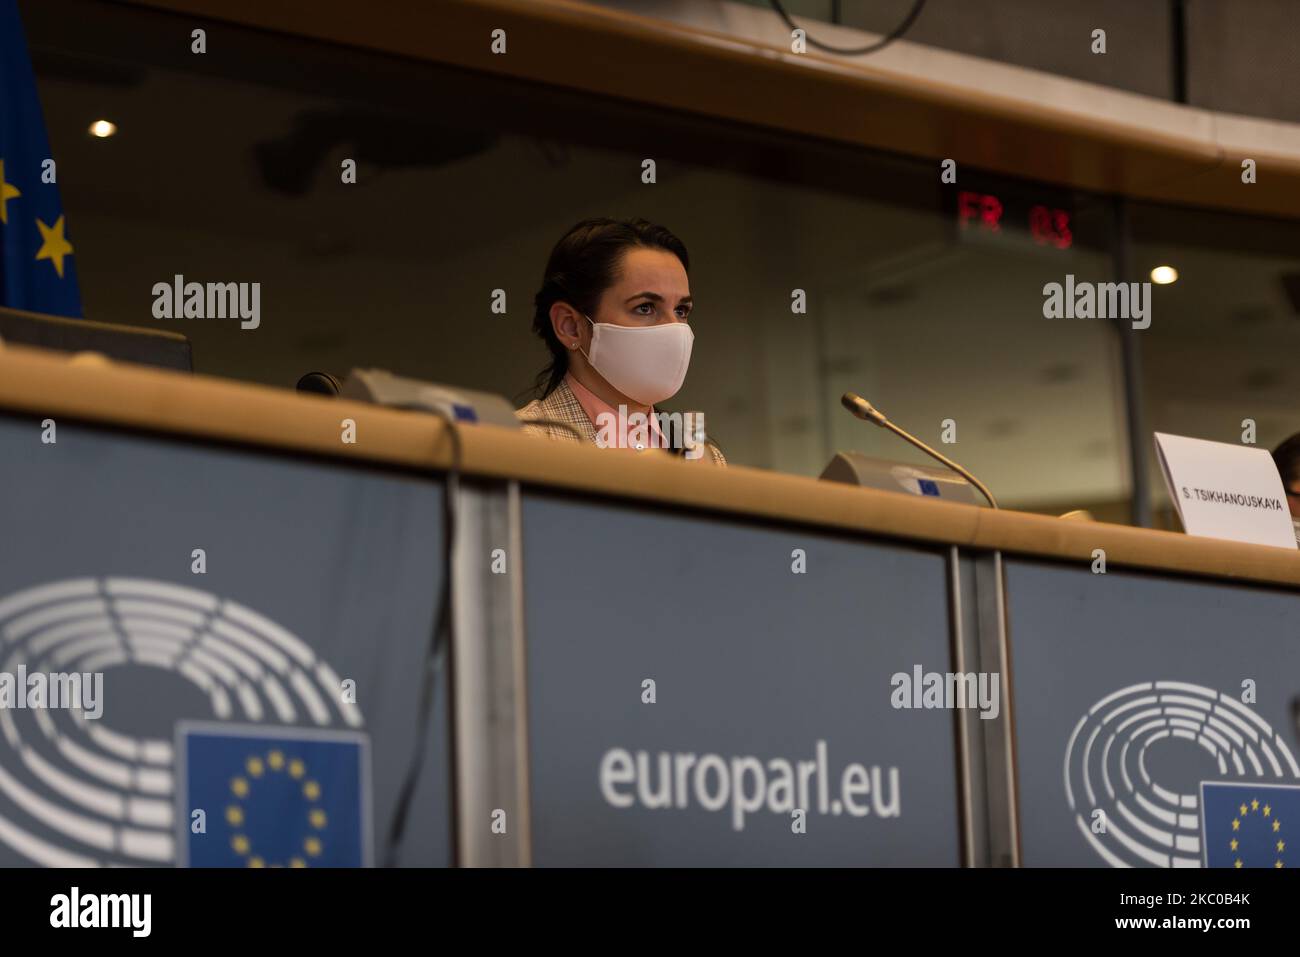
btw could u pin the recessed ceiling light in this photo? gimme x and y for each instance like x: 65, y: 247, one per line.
x: 102, y: 129
x: 1164, y: 275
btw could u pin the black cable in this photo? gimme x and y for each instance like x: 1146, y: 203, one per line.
x: 893, y: 35
x: 1178, y: 47
x: 438, y: 643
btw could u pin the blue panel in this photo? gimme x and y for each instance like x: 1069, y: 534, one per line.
x: 1132, y: 691
x: 316, y: 574
x: 754, y: 665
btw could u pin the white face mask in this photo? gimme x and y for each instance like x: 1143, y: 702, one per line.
x: 645, y: 363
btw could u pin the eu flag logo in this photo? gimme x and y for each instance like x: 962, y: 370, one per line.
x: 37, y: 269
x: 1249, y: 825
x: 272, y: 797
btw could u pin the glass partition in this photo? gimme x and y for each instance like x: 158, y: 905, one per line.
x: 226, y: 167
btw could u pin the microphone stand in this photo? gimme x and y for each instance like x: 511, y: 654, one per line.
x: 864, y: 410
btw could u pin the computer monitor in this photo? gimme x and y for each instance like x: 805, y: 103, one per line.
x: 153, y: 347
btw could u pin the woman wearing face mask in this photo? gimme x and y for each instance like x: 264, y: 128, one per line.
x: 614, y: 312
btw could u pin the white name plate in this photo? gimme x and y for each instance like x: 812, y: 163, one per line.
x: 1226, y: 491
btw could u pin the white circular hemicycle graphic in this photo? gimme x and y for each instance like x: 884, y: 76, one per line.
x: 1106, y: 768
x: 109, y: 796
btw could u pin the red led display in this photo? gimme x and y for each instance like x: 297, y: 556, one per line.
x: 1050, y: 227
x: 985, y: 213
x: 981, y: 210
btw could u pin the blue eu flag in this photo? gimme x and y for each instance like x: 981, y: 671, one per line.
x: 1250, y: 825
x: 38, y: 270
x: 273, y: 797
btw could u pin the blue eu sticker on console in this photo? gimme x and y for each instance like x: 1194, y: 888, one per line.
x: 272, y: 797
x: 929, y: 487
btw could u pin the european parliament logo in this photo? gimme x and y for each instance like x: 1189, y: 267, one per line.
x: 1250, y: 825
x: 272, y: 797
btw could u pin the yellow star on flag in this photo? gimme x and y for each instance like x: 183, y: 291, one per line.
x: 7, y: 192
x: 53, y: 246
x: 1232, y: 845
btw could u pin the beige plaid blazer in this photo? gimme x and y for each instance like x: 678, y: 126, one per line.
x: 563, y: 406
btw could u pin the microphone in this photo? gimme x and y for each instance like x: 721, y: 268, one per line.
x: 864, y: 410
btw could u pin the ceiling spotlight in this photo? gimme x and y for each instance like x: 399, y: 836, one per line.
x: 1164, y: 275
x: 102, y: 129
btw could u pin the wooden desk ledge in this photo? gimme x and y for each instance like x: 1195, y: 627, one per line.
x: 92, y: 389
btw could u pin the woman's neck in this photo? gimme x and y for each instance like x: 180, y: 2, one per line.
x: 596, y: 384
